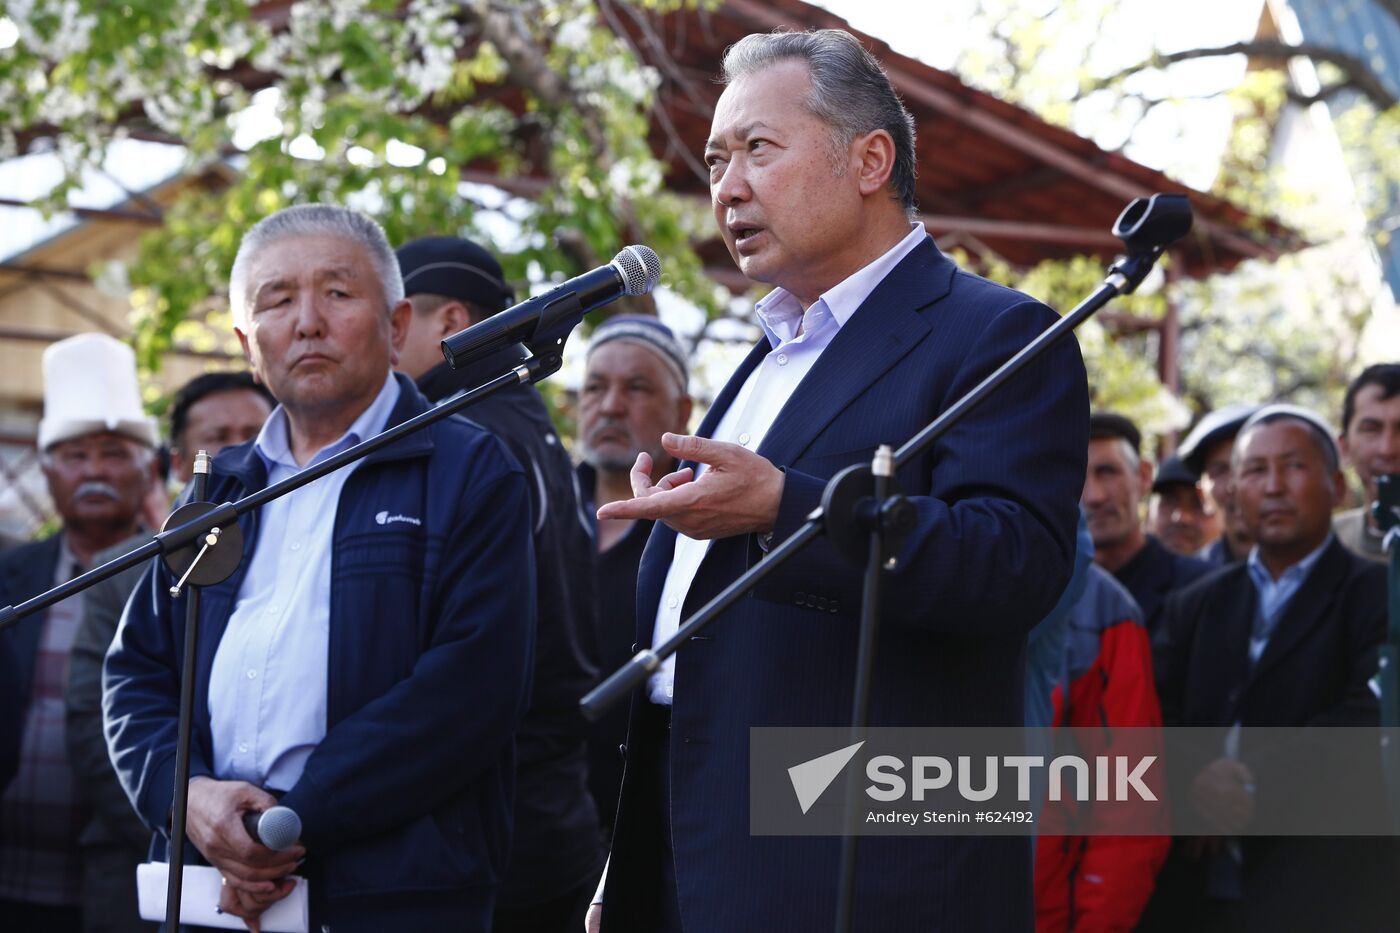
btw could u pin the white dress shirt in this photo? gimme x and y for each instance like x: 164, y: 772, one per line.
x: 267, y: 690
x: 798, y: 338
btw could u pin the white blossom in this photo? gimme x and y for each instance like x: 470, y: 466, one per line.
x: 574, y: 33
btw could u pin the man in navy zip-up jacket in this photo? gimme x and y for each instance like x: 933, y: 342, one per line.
x: 405, y: 793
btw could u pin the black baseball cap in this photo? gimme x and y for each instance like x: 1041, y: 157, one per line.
x: 1172, y: 472
x: 454, y: 268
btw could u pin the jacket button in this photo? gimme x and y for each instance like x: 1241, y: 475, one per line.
x: 799, y: 599
x: 822, y: 603
x: 622, y: 750
x: 634, y: 649
x: 835, y: 606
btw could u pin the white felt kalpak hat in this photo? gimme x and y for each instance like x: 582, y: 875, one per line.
x: 90, y: 386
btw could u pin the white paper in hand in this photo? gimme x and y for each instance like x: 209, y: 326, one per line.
x: 199, y: 900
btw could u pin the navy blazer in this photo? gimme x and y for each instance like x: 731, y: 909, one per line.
x: 406, y: 802
x: 997, y: 507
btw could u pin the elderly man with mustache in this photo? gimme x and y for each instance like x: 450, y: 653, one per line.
x: 635, y: 389
x: 97, y: 452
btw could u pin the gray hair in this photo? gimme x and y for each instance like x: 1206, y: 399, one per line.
x: 1130, y: 454
x: 850, y: 91
x: 314, y: 220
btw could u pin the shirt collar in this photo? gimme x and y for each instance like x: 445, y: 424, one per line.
x: 67, y: 566
x: 1299, y: 571
x: 780, y: 313
x: 273, y: 444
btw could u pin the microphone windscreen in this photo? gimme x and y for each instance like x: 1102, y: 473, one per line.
x: 639, y: 267
x: 279, y: 828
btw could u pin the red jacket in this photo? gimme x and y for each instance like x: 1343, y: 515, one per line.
x: 1099, y: 882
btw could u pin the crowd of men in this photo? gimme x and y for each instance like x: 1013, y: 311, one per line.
x: 1239, y: 599
x: 400, y: 653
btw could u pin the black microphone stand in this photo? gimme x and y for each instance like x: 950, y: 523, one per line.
x: 202, y: 545
x: 209, y: 565
x: 867, y: 517
x: 1386, y: 510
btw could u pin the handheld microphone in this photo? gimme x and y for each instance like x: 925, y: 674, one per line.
x: 634, y: 271
x: 277, y: 828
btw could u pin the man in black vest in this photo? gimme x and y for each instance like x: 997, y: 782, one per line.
x: 556, y: 853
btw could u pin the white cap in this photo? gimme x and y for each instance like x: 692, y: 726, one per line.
x: 1297, y: 412
x: 90, y: 386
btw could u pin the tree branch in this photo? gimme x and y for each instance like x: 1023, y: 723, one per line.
x: 1358, y: 76
x: 668, y: 66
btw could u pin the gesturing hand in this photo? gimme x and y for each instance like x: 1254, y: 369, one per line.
x: 738, y: 494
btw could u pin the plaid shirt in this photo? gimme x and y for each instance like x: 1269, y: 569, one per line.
x: 40, y: 811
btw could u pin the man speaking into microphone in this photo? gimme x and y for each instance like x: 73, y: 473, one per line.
x: 370, y: 658
x: 869, y: 334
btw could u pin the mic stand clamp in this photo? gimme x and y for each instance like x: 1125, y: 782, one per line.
x: 854, y: 508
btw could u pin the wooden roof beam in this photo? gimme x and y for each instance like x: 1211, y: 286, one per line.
x: 1019, y: 230
x: 53, y: 336
x: 95, y: 213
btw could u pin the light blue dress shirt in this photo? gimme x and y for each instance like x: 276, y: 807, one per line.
x: 267, y: 690
x: 798, y: 337
x: 1274, y: 595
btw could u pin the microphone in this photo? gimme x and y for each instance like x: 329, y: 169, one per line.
x: 547, y: 317
x: 278, y: 828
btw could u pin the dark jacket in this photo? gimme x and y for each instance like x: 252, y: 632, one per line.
x: 25, y: 572
x: 406, y: 801
x: 614, y: 644
x: 991, y: 551
x: 555, y: 844
x: 1153, y: 574
x: 1313, y: 672
x: 1218, y: 553
x: 114, y: 840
